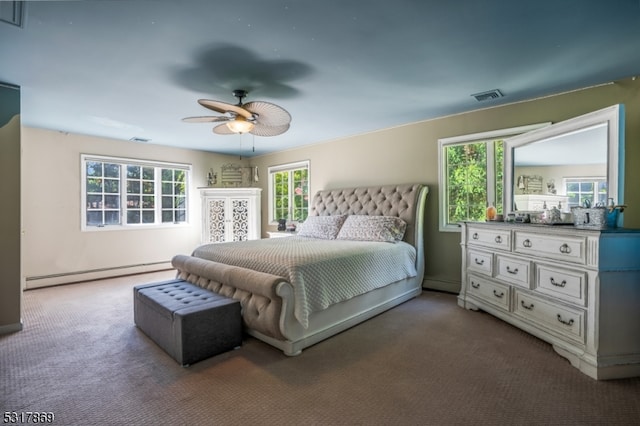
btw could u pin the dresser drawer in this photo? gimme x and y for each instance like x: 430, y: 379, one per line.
x: 480, y: 262
x: 496, y: 294
x: 569, y: 249
x: 565, y: 284
x: 513, y: 270
x: 499, y: 239
x: 560, y: 320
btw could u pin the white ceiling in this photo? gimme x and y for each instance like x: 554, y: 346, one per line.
x: 123, y: 69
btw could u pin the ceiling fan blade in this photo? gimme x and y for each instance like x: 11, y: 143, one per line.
x: 268, y: 114
x: 223, y: 107
x: 206, y: 119
x: 262, y: 130
x: 222, y: 129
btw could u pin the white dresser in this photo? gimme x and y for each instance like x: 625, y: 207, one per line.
x: 576, y: 289
x: 230, y: 214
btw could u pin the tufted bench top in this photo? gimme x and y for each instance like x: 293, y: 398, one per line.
x: 175, y: 295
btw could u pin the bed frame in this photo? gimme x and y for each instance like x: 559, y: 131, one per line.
x: 267, y: 300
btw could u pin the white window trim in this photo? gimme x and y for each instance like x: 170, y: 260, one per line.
x: 280, y: 168
x: 465, y: 139
x: 574, y: 179
x: 137, y: 162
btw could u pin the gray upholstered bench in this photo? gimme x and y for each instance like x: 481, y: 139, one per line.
x: 187, y: 321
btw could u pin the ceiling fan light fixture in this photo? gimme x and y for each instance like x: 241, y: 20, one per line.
x: 240, y: 125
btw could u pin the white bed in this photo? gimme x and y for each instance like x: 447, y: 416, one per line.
x: 292, y: 305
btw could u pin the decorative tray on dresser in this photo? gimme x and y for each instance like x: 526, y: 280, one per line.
x: 577, y: 289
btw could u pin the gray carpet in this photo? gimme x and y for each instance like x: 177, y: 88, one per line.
x: 425, y: 362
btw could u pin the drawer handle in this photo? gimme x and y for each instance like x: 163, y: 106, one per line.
x: 570, y: 322
x: 475, y: 285
x: 565, y: 249
x: 475, y: 236
x: 557, y: 284
x: 527, y: 307
x: 499, y: 296
x: 527, y: 243
x: 479, y: 262
x: 498, y: 239
x: 513, y: 271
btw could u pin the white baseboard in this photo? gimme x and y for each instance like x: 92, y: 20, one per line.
x: 78, y: 276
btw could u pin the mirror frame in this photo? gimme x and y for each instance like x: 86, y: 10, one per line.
x: 613, y: 116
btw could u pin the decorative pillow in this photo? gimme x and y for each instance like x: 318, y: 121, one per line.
x: 373, y: 228
x: 325, y: 227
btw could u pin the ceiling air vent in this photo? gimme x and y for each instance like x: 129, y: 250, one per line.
x: 485, y: 96
x: 11, y: 12
x: 141, y: 140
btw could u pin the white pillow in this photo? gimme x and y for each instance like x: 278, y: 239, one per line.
x: 373, y: 228
x: 325, y: 227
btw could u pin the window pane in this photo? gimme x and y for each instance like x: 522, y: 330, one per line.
x: 112, y: 218
x: 112, y: 201
x: 148, y: 187
x: 167, y: 202
x: 133, y: 187
x: 94, y: 168
x: 133, y: 172
x: 97, y: 188
x: 167, y: 216
x: 133, y: 216
x: 112, y: 170
x: 167, y: 188
x: 148, y: 202
x: 173, y: 194
x: 94, y: 185
x: 148, y: 216
x: 112, y: 186
x: 148, y: 173
x: 466, y: 186
x: 94, y: 218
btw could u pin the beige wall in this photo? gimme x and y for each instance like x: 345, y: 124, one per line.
x: 410, y: 154
x: 55, y: 248
x: 54, y: 243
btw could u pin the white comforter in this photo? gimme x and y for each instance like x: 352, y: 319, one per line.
x: 322, y: 272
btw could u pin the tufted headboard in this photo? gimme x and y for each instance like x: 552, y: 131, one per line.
x: 404, y: 201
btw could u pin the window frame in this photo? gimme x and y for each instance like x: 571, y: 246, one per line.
x: 481, y: 137
x: 281, y: 168
x: 595, y: 180
x: 158, y: 209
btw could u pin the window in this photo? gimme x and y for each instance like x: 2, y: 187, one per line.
x: 289, y: 192
x: 580, y: 190
x: 121, y: 192
x: 471, y: 171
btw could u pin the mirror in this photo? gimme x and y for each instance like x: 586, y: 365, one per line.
x: 565, y: 163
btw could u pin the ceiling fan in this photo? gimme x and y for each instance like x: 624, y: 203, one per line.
x: 258, y: 117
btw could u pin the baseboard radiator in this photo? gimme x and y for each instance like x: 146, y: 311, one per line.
x: 93, y: 274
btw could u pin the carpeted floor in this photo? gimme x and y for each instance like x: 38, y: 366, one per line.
x: 425, y: 362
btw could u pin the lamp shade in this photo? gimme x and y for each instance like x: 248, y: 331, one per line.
x: 240, y: 125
